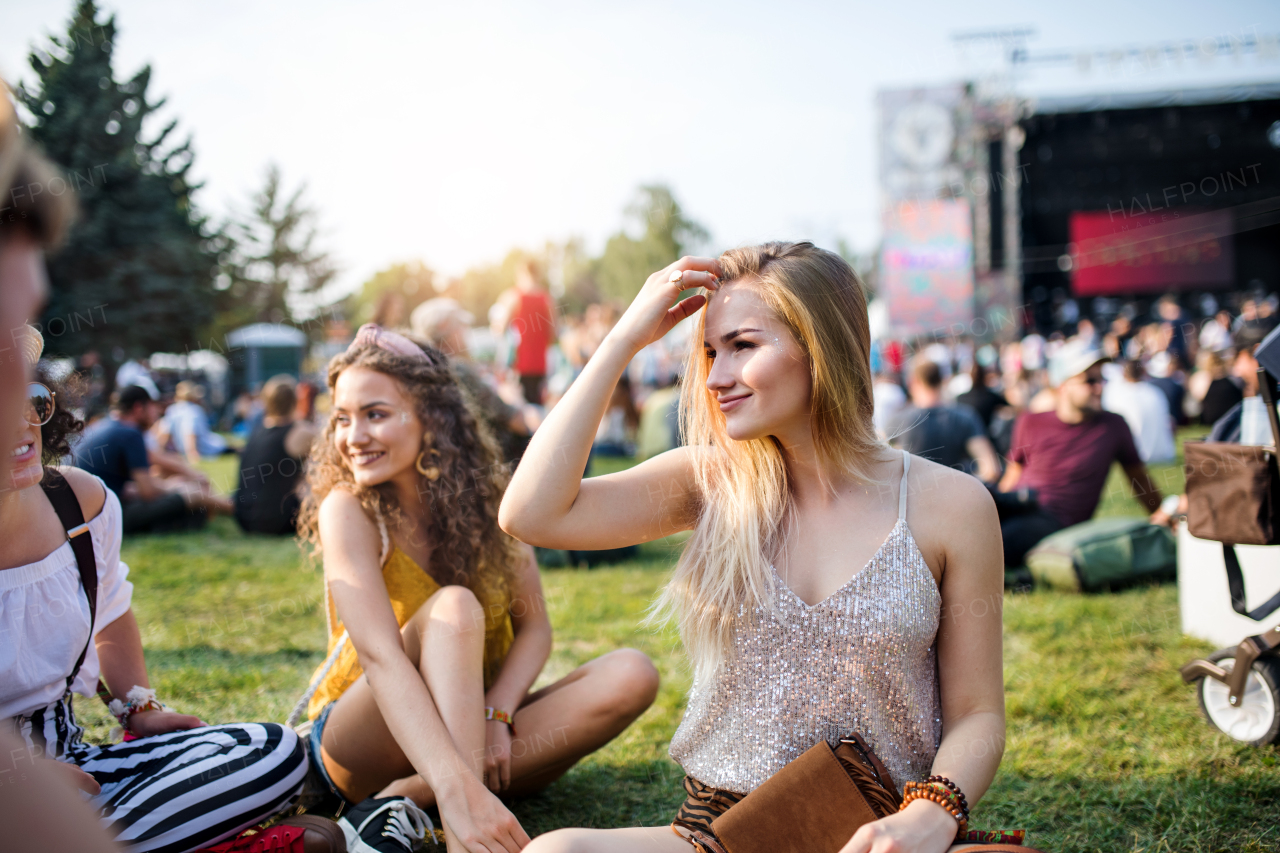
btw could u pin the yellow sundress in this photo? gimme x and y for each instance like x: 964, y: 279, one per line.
x: 408, y: 587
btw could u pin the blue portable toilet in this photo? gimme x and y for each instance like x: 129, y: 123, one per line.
x: 259, y: 351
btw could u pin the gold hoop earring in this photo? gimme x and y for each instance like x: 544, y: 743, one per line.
x: 432, y: 473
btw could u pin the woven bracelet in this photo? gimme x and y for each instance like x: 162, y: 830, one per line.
x: 499, y: 716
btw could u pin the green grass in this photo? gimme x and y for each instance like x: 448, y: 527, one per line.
x: 1106, y: 749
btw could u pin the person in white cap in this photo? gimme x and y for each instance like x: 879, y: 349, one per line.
x: 1064, y: 456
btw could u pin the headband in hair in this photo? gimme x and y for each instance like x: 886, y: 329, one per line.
x: 374, y: 335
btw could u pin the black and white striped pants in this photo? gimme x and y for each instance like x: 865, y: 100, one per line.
x: 179, y: 791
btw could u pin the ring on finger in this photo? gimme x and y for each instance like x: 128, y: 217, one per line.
x: 677, y: 276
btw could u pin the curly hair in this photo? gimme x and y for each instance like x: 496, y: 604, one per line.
x: 460, y: 507
x: 56, y: 435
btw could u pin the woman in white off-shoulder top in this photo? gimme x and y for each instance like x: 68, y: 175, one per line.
x: 213, y: 781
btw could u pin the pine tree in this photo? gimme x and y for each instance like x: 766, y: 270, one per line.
x: 272, y: 269
x: 136, y: 275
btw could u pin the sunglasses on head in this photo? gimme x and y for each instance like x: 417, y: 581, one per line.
x: 40, y: 405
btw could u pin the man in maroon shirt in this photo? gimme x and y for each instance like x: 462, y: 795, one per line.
x: 1065, y: 456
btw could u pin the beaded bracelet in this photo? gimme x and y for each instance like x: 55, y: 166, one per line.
x: 948, y: 788
x: 941, y: 790
x: 137, y: 699
x: 955, y: 789
x: 500, y: 716
x: 938, y: 793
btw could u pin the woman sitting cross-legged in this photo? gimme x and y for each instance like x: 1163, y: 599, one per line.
x: 437, y: 622
x: 179, y: 784
x: 831, y: 586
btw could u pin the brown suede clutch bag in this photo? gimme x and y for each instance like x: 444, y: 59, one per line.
x: 815, y: 804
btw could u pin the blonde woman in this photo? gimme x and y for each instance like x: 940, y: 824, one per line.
x: 831, y: 584
x: 438, y: 624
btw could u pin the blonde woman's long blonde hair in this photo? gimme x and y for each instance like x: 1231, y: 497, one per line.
x: 745, y: 495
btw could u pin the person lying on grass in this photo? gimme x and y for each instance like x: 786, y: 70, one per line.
x: 788, y: 492
x: 428, y: 701
x: 176, y: 784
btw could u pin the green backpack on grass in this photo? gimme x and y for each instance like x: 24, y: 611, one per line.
x: 1106, y: 553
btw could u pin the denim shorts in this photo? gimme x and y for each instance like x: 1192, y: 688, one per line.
x: 331, y: 798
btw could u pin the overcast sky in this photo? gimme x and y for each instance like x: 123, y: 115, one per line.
x: 452, y: 132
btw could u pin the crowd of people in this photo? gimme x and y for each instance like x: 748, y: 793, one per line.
x: 403, y: 483
x: 1042, y: 419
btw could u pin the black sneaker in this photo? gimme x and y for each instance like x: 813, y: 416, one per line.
x: 386, y: 825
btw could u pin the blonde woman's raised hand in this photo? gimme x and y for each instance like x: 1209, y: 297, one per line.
x: 655, y: 310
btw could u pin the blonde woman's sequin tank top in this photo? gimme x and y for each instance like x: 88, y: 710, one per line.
x: 862, y: 660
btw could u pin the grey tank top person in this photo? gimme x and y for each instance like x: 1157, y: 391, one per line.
x: 862, y: 660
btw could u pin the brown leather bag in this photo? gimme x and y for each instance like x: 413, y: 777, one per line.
x: 1232, y: 491
x: 1233, y: 495
x: 815, y: 804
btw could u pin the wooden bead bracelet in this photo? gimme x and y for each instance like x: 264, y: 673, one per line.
x: 936, y: 792
x: 955, y: 789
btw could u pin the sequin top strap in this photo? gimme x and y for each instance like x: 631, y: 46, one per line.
x: 902, y: 491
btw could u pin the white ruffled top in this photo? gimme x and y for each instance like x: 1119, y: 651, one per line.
x: 44, y: 617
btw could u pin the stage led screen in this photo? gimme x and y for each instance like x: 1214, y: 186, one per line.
x: 1114, y: 254
x: 926, y: 267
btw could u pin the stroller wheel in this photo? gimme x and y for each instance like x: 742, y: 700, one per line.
x: 1257, y: 719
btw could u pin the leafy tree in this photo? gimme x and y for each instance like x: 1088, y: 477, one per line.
x: 481, y: 285
x: 272, y: 269
x: 863, y: 263
x: 569, y: 270
x: 391, y: 292
x: 137, y: 272
x: 578, y: 274
x: 665, y: 235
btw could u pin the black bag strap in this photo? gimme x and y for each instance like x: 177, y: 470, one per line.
x: 1235, y: 583
x: 59, y: 492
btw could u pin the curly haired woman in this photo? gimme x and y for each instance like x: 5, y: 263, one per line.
x: 428, y: 701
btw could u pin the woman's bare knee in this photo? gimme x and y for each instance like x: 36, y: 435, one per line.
x: 634, y: 840
x: 451, y: 610
x: 631, y: 682
x: 560, y: 841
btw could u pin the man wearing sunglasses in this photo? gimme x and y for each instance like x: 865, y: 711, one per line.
x: 1064, y: 455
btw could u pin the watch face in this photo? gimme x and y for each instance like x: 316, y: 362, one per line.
x: 922, y: 135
